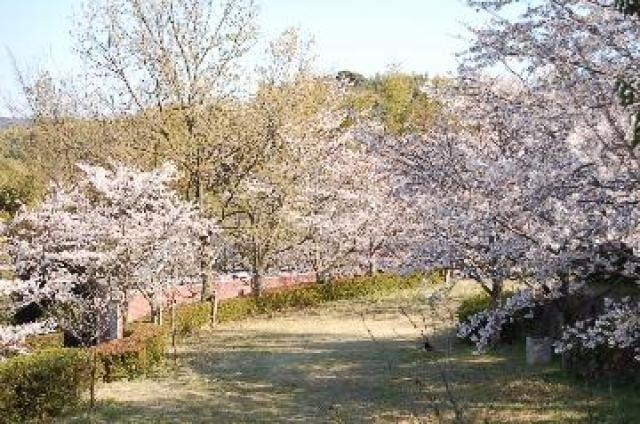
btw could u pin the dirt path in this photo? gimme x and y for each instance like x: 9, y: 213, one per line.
x: 330, y: 365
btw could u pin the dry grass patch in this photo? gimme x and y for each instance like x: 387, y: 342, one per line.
x: 329, y: 365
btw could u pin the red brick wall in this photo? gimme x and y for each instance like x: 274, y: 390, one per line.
x: 226, y: 288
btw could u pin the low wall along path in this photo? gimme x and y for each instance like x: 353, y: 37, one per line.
x: 226, y: 287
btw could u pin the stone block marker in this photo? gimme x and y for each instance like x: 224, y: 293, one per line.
x: 115, y: 322
x: 538, y: 350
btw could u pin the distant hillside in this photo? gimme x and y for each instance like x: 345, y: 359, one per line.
x: 7, y: 122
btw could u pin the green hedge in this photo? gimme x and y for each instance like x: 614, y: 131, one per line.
x: 190, y: 318
x: 376, y: 286
x: 353, y: 288
x: 41, y: 385
x: 237, y: 309
x: 45, y: 341
x: 137, y: 354
x: 46, y: 383
x: 281, y: 300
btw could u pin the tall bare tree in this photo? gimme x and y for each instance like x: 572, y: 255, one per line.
x: 170, y: 61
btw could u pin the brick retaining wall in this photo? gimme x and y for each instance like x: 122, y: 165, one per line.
x: 226, y: 287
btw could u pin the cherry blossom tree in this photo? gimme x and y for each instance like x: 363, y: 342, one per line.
x: 13, y: 337
x: 476, y: 184
x: 553, y: 164
x: 354, y: 220
x: 154, y: 233
x: 84, y: 249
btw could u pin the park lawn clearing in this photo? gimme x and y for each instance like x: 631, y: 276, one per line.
x: 354, y: 361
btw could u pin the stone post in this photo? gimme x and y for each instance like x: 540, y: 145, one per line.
x: 115, y: 322
x: 538, y: 350
x: 214, y: 308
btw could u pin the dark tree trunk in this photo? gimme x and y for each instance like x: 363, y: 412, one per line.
x: 257, y: 283
x: 495, y: 293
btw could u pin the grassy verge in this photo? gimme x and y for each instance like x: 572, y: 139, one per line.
x: 358, y: 361
x: 190, y: 318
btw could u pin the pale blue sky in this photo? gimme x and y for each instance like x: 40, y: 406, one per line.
x: 360, y: 35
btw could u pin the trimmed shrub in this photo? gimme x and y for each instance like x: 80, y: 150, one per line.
x: 237, y: 309
x: 190, y: 318
x: 137, y: 354
x: 41, y: 385
x: 45, y: 341
x: 48, y: 382
x: 277, y: 301
x: 376, y: 286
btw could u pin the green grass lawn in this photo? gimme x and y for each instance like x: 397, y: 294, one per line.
x: 356, y: 362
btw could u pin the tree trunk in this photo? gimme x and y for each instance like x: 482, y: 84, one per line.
x: 204, y: 277
x: 315, y: 264
x: 495, y: 293
x: 92, y: 383
x: 156, y: 313
x: 205, y: 293
x: 257, y: 283
x: 256, y: 278
x: 125, y: 309
x: 320, y: 277
x: 371, y: 260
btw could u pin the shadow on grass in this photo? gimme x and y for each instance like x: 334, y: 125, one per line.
x: 254, y: 375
